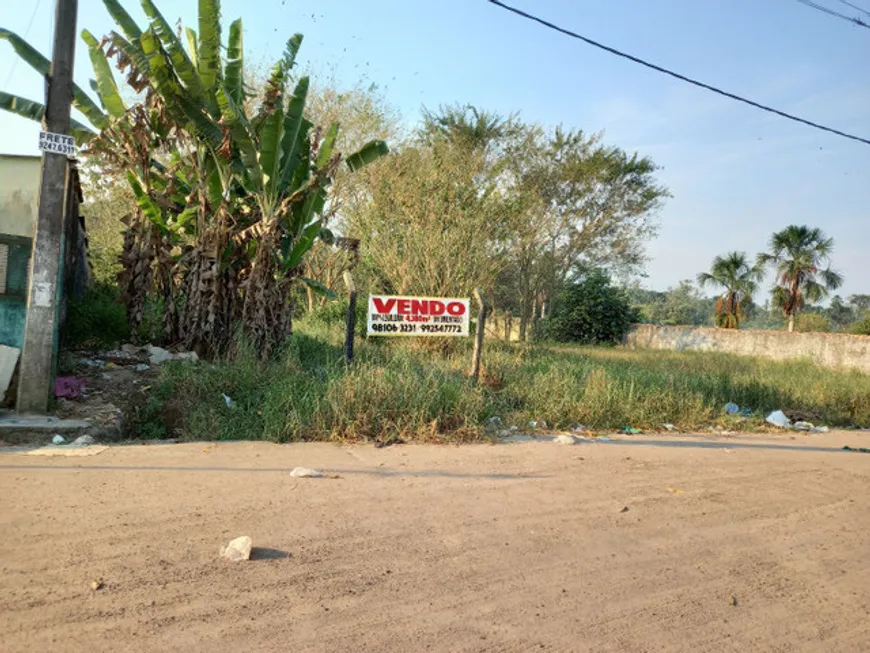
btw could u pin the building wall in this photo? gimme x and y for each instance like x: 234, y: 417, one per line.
x: 828, y: 349
x: 19, y: 193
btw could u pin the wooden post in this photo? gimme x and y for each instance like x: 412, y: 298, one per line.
x: 350, y: 327
x: 478, y: 336
x: 37, y: 356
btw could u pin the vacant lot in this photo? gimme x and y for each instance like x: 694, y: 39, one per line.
x: 402, y: 390
x: 755, y: 545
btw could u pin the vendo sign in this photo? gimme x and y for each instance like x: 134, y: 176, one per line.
x: 418, y: 316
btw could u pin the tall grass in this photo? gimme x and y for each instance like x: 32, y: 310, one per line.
x: 402, y: 389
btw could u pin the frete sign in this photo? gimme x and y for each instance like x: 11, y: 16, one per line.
x: 418, y: 316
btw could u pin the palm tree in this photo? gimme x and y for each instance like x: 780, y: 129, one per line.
x: 801, y: 257
x: 739, y: 280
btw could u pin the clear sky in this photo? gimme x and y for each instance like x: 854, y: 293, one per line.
x: 736, y: 173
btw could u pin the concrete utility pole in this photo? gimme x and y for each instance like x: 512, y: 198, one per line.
x: 37, y: 356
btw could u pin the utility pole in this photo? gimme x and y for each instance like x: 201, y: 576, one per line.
x: 37, y: 357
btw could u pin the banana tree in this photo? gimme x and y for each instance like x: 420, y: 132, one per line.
x: 228, y: 204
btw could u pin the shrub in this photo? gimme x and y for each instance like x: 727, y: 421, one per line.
x: 96, y: 319
x: 861, y: 327
x: 812, y: 323
x: 590, y: 311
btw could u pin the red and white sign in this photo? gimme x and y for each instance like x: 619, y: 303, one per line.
x: 418, y: 316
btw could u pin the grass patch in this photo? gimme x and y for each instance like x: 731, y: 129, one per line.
x: 403, y: 389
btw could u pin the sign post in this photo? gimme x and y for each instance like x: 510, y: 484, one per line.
x: 418, y: 316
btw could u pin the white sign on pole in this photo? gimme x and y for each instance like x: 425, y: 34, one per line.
x: 418, y: 316
x: 57, y: 143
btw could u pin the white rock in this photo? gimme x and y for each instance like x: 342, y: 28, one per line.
x: 564, y: 439
x: 305, y: 472
x: 237, y: 550
x: 158, y: 355
x: 58, y: 439
x: 83, y: 441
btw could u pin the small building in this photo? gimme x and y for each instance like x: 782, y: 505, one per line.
x: 19, y: 200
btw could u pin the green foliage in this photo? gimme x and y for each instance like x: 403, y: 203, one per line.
x: 800, y: 256
x: 96, y: 320
x: 590, y: 311
x: 739, y: 279
x: 861, y: 327
x: 812, y: 323
x: 680, y: 306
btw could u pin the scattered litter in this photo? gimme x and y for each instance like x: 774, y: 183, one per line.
x: 669, y: 427
x: 190, y: 356
x: 157, y: 355
x: 537, y: 424
x: 603, y: 438
x: 237, y: 550
x: 857, y: 449
x: 106, y: 377
x: 746, y: 412
x: 305, y: 472
x: 579, y: 428
x: 142, y: 367
x: 380, y: 444
x: 228, y: 401
x: 514, y: 428
x: 674, y: 490
x: 68, y: 387
x: 91, y: 362
x: 734, y: 601
x: 58, y: 439
x: 494, y: 423
x: 97, y: 585
x: 819, y: 429
x: 564, y: 439
x: 731, y: 408
x: 778, y: 418
x: 130, y: 349
x: 83, y: 441
x: 630, y: 431
x: 624, y: 509
x: 803, y: 426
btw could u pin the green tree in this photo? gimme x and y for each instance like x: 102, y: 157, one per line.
x: 800, y: 256
x: 230, y: 195
x: 591, y: 311
x: 739, y: 281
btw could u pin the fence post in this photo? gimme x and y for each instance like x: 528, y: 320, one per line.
x: 350, y: 326
x: 478, y: 336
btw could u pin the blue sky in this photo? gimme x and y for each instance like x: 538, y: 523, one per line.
x: 736, y: 173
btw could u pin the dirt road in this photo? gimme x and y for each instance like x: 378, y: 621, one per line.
x: 594, y: 547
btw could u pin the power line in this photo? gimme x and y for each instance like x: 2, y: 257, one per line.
x: 855, y: 7
x: 26, y: 33
x: 831, y: 12
x: 671, y: 73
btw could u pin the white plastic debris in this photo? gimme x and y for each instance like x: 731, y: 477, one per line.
x: 238, y: 550
x: 564, y: 439
x: 803, y: 426
x: 158, y: 355
x: 731, y: 408
x: 305, y: 472
x: 142, y: 367
x: 186, y: 356
x: 83, y: 441
x: 778, y: 418
x: 228, y: 401
x: 58, y: 439
x: 669, y: 427
x: 819, y: 429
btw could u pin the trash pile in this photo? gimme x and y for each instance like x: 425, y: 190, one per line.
x: 780, y: 419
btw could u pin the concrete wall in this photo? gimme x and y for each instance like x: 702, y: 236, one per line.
x: 828, y: 349
x: 19, y: 193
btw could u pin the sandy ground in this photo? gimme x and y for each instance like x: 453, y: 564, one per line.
x: 522, y: 547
